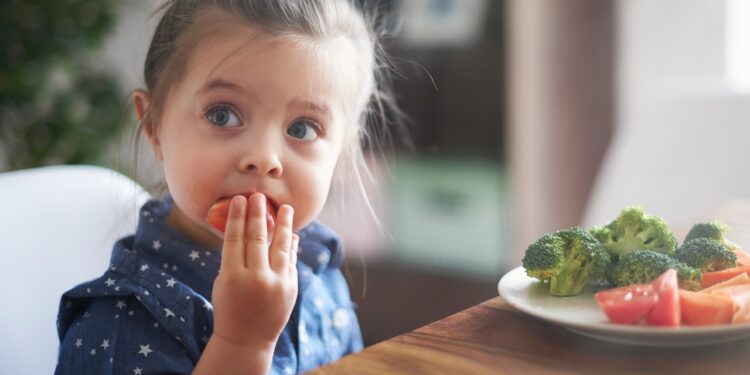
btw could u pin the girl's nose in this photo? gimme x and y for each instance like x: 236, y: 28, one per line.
x: 263, y: 162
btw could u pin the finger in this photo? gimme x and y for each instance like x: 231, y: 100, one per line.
x: 234, y: 235
x: 281, y: 245
x: 270, y: 221
x: 256, y: 247
x: 293, y: 253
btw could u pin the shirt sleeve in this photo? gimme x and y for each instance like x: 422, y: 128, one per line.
x: 119, y: 335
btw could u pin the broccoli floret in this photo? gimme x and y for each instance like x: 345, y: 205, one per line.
x: 714, y: 230
x: 643, y: 266
x: 705, y: 254
x: 635, y: 230
x: 567, y: 260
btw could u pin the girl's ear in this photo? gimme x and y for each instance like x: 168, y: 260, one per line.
x: 142, y: 103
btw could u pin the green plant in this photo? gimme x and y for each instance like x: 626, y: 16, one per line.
x: 56, y: 105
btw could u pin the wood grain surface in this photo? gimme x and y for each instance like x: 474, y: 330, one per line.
x: 495, y: 338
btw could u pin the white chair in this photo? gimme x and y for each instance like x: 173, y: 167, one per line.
x: 57, y: 228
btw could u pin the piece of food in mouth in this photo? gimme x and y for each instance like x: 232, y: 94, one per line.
x: 219, y: 212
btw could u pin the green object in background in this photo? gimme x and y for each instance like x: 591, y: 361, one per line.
x: 56, y: 105
x: 451, y: 215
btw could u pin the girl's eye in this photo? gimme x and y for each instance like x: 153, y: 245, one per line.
x: 304, y: 130
x: 222, y: 117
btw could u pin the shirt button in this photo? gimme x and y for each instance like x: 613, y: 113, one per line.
x: 340, y: 318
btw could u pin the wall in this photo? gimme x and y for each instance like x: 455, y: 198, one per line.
x: 680, y: 147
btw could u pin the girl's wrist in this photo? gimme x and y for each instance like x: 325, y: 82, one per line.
x: 224, y: 355
x: 252, y: 344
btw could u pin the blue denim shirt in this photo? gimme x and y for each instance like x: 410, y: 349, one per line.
x: 151, y: 311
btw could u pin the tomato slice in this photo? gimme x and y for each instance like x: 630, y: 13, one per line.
x: 666, y: 311
x: 218, y: 214
x: 627, y: 304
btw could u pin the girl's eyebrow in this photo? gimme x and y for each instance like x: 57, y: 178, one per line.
x: 220, y: 84
x: 321, y: 108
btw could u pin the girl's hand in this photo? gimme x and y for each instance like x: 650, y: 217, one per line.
x: 255, y: 291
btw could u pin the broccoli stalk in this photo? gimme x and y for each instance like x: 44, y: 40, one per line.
x: 635, y: 230
x: 567, y: 260
x: 574, y: 276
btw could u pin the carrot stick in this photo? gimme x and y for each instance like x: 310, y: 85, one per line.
x: 715, y: 277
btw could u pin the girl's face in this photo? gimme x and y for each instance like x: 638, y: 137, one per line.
x: 252, y: 114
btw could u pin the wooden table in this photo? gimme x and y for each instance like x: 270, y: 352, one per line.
x: 495, y: 338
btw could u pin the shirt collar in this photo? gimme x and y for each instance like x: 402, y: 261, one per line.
x: 172, y: 250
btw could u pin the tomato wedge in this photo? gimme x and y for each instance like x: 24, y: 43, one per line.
x: 627, y: 304
x: 666, y: 311
x: 219, y: 212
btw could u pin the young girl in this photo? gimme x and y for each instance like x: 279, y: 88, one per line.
x: 257, y: 103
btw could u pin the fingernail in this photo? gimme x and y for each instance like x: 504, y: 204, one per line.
x: 289, y: 212
x: 237, y: 200
x: 260, y: 200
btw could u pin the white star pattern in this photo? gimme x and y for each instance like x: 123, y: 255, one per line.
x: 318, y: 303
x: 340, y: 318
x: 145, y: 350
x: 326, y: 334
x: 194, y: 255
x: 303, y: 337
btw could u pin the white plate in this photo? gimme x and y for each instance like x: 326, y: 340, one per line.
x: 581, y: 314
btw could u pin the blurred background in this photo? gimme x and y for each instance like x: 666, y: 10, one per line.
x: 526, y: 116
